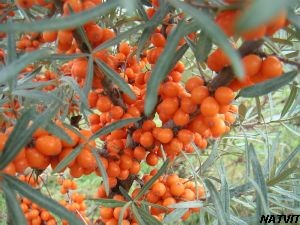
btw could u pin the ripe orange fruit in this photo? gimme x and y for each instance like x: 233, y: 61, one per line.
x: 146, y: 139
x: 181, y: 118
x: 252, y: 64
x: 171, y: 179
x: 3, y: 139
x: 95, y: 34
x: 25, y: 4
x: 79, y: 68
x: 113, y: 169
x: 49, y: 36
x: 158, y: 40
x: 158, y: 189
x: 224, y: 95
x: 169, y: 201
x: 104, y: 104
x: 209, y: 107
x: 152, y: 159
x: 73, y: 137
x: 187, y: 105
x: 277, y: 23
x: 169, y: 106
x: 255, y: 33
x: 226, y: 20
x: 177, y: 189
x: 36, y: 159
x: 165, y: 135
x: 48, y: 145
x: 75, y: 5
x: 193, y: 82
x: 217, y: 60
x: 199, y: 94
x: 170, y: 89
x: 188, y: 195
x: 271, y: 67
x: 125, y: 162
x: 185, y: 136
x: 86, y: 159
x: 148, y: 125
x: 135, y: 168
x: 116, y: 112
x: 106, y: 213
x: 139, y: 153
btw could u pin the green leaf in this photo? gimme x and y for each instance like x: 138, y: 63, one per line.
x: 67, y: 57
x: 154, y: 205
x: 214, y: 32
x: 125, y: 194
x: 102, y: 171
x: 262, y: 16
x: 175, y: 215
x: 115, y: 78
x: 268, y: 86
x: 152, y: 180
x: 262, y: 192
x: 224, y: 193
x: 203, y: 47
x: 113, y: 126
x: 41, y: 200
x: 162, y: 68
x: 109, y: 203
x: 122, y: 212
x: 121, y: 36
x: 289, y: 102
x: 12, y: 70
x: 15, y: 212
x: 11, y: 47
x: 211, y: 158
x: 282, y: 176
x: 285, y: 162
x: 89, y: 77
x: 66, y: 161
x: 215, y: 197
x: 187, y: 205
x: 61, y: 22
x: 137, y: 215
x: 74, y: 85
x: 40, y: 96
x: 147, y: 217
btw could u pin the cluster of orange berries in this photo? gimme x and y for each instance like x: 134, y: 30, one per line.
x: 74, y: 201
x: 165, y: 192
x: 34, y: 214
x: 227, y: 19
x: 257, y: 69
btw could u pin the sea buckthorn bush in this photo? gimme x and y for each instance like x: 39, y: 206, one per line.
x: 148, y: 111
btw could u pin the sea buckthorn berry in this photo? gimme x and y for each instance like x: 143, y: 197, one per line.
x: 94, y: 34
x: 187, y: 105
x: 48, y: 145
x: 186, y: 136
x: 193, y: 82
x: 164, y: 135
x: 104, y: 104
x: 217, y: 60
x: 271, y: 67
x: 79, y: 68
x: 152, y: 159
x: 177, y: 189
x: 86, y: 159
x: 146, y: 139
x: 255, y: 33
x: 25, y: 4
x: 139, y: 153
x: 158, y: 40
x: 170, y: 89
x: 181, y: 118
x: 36, y: 159
x: 209, y: 107
x: 224, y: 95
x: 252, y: 64
x: 277, y: 23
x: 49, y: 36
x: 158, y: 189
x: 226, y: 20
x: 199, y: 94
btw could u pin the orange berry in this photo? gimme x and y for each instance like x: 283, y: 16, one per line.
x: 170, y: 89
x: 255, y: 33
x: 95, y: 34
x: 125, y: 162
x: 158, y: 189
x: 177, y: 189
x: 188, y: 195
x: 271, y: 67
x: 25, y: 4
x: 199, y: 94
x: 187, y: 105
x: 193, y: 82
x: 146, y: 139
x: 171, y: 179
x: 158, y: 40
x: 152, y: 159
x: 276, y: 24
x: 209, y: 107
x: 79, y: 68
x: 104, y: 104
x: 49, y: 36
x: 252, y: 64
x: 165, y: 135
x: 48, y: 145
x: 224, y: 95
x: 113, y: 169
x: 135, y: 168
x: 86, y: 159
x: 148, y: 125
x: 169, y: 201
x: 181, y: 118
x: 116, y: 112
x: 139, y: 153
x: 106, y: 213
x: 185, y: 136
